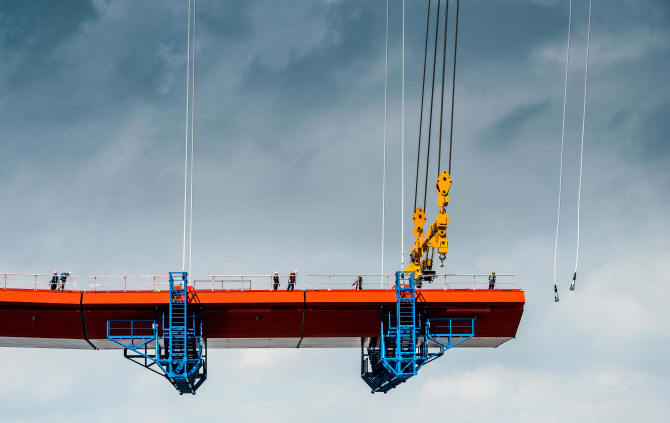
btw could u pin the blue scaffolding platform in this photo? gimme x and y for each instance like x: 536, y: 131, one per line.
x: 406, y: 339
x: 175, y: 350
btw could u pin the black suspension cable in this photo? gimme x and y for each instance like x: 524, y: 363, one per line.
x: 432, y: 93
x: 453, y: 87
x: 423, y: 89
x: 444, y: 76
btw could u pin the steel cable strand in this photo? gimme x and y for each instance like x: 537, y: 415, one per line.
x: 581, y: 157
x: 432, y: 95
x: 560, y: 172
x: 386, y: 71
x: 453, y: 86
x: 190, y: 235
x: 423, y: 89
x: 188, y: 68
x: 444, y: 77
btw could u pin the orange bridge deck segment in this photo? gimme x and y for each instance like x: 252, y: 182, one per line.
x: 248, y: 319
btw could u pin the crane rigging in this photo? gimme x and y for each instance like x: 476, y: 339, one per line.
x: 399, y: 328
x: 423, y: 251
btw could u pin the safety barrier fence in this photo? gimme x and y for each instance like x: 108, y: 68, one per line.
x: 387, y: 282
x: 159, y: 283
x: 130, y: 283
x: 33, y: 281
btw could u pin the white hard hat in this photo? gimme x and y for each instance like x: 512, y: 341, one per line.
x: 276, y: 273
x: 69, y: 273
x: 55, y: 273
x: 296, y: 272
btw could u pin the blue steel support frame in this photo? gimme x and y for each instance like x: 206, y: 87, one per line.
x: 405, y: 342
x: 178, y: 351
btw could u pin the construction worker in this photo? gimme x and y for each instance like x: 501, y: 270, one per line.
x: 492, y: 280
x: 63, y: 279
x: 54, y: 281
x: 291, y: 281
x: 358, y: 283
x: 275, y: 281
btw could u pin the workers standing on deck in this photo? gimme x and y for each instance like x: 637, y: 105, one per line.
x: 291, y: 281
x: 492, y: 280
x: 54, y: 281
x: 358, y: 283
x: 275, y: 281
x: 63, y: 279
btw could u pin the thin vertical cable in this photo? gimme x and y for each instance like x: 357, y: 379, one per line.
x: 423, y: 90
x: 188, y: 68
x: 402, y: 142
x: 190, y: 235
x: 453, y: 86
x: 581, y: 158
x: 444, y: 77
x: 432, y: 95
x: 386, y: 73
x: 560, y: 172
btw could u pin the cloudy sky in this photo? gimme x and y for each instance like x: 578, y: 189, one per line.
x: 288, y: 175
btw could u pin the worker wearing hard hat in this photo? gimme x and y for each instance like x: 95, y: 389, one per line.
x: 275, y: 281
x: 291, y: 281
x: 359, y: 282
x: 492, y: 280
x: 54, y: 281
x: 63, y: 279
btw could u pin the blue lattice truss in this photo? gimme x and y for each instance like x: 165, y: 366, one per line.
x: 409, y: 340
x: 171, y: 345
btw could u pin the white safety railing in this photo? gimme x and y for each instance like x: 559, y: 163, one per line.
x: 387, y: 282
x: 130, y: 282
x: 252, y: 282
x: 33, y: 281
x: 241, y: 282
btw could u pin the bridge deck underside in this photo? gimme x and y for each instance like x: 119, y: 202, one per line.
x: 248, y: 319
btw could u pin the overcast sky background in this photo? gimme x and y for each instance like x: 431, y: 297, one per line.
x: 288, y: 165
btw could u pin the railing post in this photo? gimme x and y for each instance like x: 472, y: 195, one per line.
x: 35, y: 283
x: 124, y: 286
x: 473, y: 283
x: 328, y: 282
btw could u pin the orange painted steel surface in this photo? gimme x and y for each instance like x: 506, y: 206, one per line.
x: 311, y: 318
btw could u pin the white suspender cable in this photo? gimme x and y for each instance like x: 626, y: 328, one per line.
x: 188, y: 68
x: 581, y: 158
x: 402, y: 137
x: 560, y: 174
x: 190, y: 235
x: 386, y: 72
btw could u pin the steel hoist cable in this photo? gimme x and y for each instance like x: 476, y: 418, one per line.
x: 386, y: 72
x: 453, y: 87
x: 190, y: 105
x: 190, y: 236
x: 402, y: 150
x: 560, y: 172
x: 444, y: 76
x: 581, y: 157
x: 423, y: 90
x: 432, y: 95
x: 188, y: 69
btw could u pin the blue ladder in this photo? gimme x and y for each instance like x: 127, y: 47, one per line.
x: 397, y: 354
x: 180, y: 358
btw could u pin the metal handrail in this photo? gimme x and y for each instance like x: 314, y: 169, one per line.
x: 4, y: 281
x: 156, y: 281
